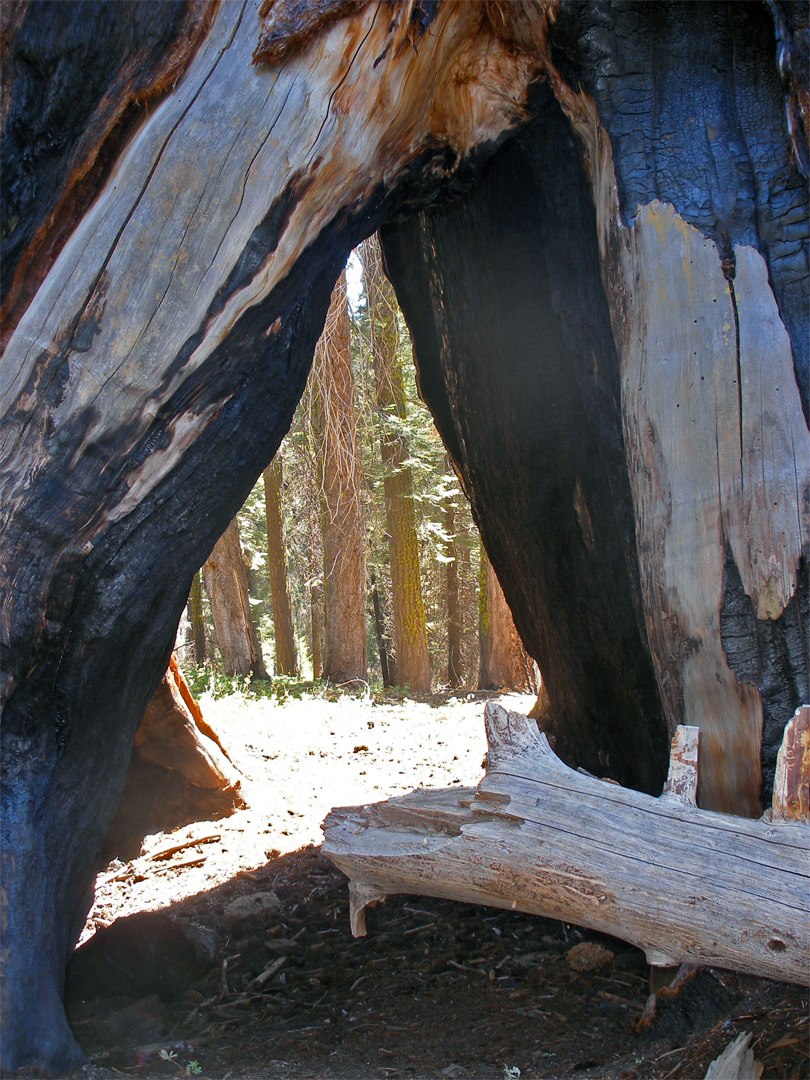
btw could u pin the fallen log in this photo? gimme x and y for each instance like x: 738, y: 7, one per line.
x: 682, y: 884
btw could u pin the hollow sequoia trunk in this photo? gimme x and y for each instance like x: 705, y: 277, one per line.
x: 611, y: 328
x: 597, y: 229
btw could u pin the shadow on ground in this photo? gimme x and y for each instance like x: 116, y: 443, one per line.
x: 260, y: 977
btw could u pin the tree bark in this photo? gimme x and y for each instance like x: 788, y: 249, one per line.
x: 179, y: 772
x: 343, y: 525
x: 379, y: 630
x: 505, y: 664
x: 625, y: 449
x: 316, y: 628
x: 412, y: 661
x: 286, y: 649
x: 227, y: 586
x: 571, y: 201
x: 681, y: 883
x: 196, y: 617
x: 455, y: 672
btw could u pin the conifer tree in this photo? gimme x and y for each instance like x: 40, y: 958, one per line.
x: 286, y: 650
x: 505, y: 664
x: 344, y: 544
x: 412, y: 661
x: 226, y: 582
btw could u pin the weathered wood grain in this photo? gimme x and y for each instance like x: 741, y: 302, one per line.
x: 718, y: 455
x: 681, y: 883
x: 791, y: 789
x: 151, y: 379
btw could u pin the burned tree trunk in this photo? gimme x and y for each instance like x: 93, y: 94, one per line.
x: 598, y: 231
x: 611, y: 328
x: 155, y: 371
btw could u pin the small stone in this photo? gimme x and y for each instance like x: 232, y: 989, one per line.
x: 588, y: 956
x: 255, y: 909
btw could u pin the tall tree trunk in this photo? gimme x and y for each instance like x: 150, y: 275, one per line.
x: 410, y: 629
x: 455, y: 672
x: 380, y: 632
x: 483, y: 618
x: 227, y: 586
x: 316, y: 628
x: 197, y: 618
x: 286, y: 650
x: 344, y: 536
x: 505, y: 664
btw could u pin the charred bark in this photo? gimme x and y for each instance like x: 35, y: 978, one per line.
x: 512, y: 336
x: 157, y: 366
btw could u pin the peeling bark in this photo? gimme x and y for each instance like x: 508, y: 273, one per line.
x: 533, y: 228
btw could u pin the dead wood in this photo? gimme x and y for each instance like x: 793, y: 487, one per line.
x: 179, y: 771
x: 682, y: 884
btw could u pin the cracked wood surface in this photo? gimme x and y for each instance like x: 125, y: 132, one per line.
x: 718, y: 452
x: 680, y: 883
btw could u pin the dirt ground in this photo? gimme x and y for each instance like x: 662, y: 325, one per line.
x: 224, y: 950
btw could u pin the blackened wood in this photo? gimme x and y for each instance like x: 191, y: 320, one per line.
x: 513, y: 342
x: 153, y: 374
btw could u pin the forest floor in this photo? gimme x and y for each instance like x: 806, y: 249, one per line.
x: 223, y: 950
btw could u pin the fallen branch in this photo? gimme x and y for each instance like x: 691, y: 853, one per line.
x: 167, y: 853
x: 683, y: 884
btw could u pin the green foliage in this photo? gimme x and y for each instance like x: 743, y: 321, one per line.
x: 210, y: 679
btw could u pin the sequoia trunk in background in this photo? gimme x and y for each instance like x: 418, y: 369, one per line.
x: 411, y: 659
x: 227, y: 586
x: 286, y: 650
x: 344, y: 533
x: 505, y: 664
x: 598, y: 231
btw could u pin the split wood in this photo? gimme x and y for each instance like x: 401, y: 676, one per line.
x: 683, y: 884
